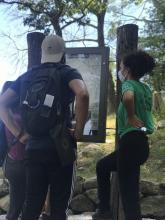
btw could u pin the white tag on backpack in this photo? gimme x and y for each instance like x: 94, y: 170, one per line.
x: 49, y: 100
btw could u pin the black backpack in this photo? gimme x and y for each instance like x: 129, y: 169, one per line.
x: 41, y: 99
x: 3, y: 143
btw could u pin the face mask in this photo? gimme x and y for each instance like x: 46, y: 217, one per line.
x: 120, y: 75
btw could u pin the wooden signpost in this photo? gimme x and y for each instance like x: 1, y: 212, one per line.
x: 127, y: 40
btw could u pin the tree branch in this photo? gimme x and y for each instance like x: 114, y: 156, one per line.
x: 78, y: 40
x: 138, y: 19
x: 13, y: 41
x: 73, y: 21
x: 25, y: 4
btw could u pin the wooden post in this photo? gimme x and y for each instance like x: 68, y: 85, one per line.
x: 127, y: 40
x: 34, y: 41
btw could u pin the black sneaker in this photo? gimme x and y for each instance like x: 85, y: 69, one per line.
x: 102, y: 215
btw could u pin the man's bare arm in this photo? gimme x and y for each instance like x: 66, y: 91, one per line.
x: 82, y: 103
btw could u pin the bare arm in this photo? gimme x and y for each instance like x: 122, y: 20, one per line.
x: 5, y: 100
x: 128, y: 101
x: 82, y: 103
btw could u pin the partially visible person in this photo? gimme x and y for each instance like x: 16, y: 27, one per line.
x: 14, y: 169
x: 44, y: 165
x: 135, y: 122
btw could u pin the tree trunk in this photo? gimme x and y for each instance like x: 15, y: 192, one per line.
x: 100, y: 30
x: 56, y: 27
x: 111, y: 95
x: 101, y: 43
x: 127, y: 39
x: 100, y: 20
x: 34, y: 41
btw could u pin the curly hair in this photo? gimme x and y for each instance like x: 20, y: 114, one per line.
x: 139, y: 63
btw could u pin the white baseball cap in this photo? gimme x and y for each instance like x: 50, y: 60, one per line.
x: 53, y: 47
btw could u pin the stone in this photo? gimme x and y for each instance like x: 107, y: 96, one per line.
x: 4, y: 203
x: 84, y: 216
x: 90, y: 183
x: 92, y: 195
x: 161, y: 124
x: 81, y: 203
x: 160, y: 143
x: 80, y: 179
x: 81, y: 168
x: 4, y: 187
x: 149, y: 188
x: 78, y: 185
x: 83, y: 164
x: 153, y: 206
x: 90, y: 150
x: 1, y: 173
x: 162, y: 188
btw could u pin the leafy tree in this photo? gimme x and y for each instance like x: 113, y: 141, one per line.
x: 152, y: 36
x: 154, y: 41
x: 46, y: 15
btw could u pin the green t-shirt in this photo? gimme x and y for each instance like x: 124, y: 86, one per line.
x: 143, y: 107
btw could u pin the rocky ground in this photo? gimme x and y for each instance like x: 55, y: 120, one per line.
x: 152, y: 185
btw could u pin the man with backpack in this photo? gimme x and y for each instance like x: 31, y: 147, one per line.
x: 45, y: 93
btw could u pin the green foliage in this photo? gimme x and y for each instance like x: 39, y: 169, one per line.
x: 157, y: 136
x: 112, y: 30
x: 47, y: 15
x: 160, y: 113
x: 153, y: 169
x: 154, y: 41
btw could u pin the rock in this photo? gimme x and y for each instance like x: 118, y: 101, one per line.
x: 2, y: 217
x: 149, y: 188
x: 78, y: 185
x: 4, y: 203
x: 141, y: 195
x: 81, y: 203
x: 78, y: 189
x: 160, y: 143
x: 81, y: 168
x: 80, y: 179
x: 69, y: 212
x: 161, y: 124
x: 153, y: 206
x: 4, y: 187
x: 92, y: 195
x: 90, y: 183
x: 90, y: 150
x: 162, y: 188
x: 1, y: 173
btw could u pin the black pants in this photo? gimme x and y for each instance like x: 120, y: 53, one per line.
x: 43, y: 169
x: 15, y: 173
x: 132, y: 152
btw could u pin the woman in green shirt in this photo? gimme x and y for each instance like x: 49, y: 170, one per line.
x: 134, y: 123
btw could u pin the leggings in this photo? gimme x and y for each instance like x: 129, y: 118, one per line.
x: 133, y: 151
x: 15, y: 173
